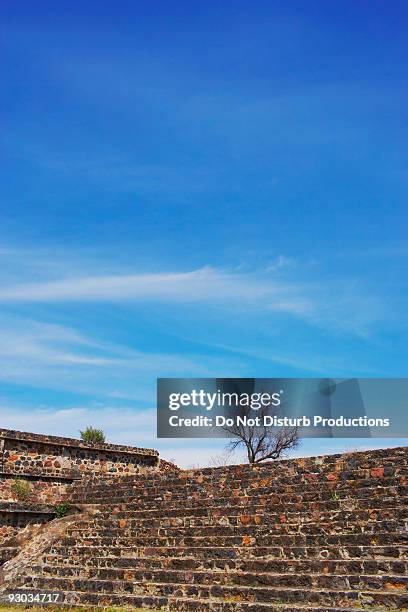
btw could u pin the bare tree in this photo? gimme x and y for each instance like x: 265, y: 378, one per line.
x: 221, y: 460
x: 260, y: 441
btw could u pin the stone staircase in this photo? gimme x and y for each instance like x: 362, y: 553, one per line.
x: 325, y: 534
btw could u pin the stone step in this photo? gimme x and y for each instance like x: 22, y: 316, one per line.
x: 398, y: 477
x: 99, y: 567
x: 382, y: 591
x: 279, y: 469
x: 245, y: 536
x: 296, y: 481
x: 223, y: 542
x: 256, y: 515
x: 275, y: 468
x: 223, y: 496
x: 328, y: 493
x: 238, y: 505
x: 229, y: 578
x: 186, y: 604
x: 85, y: 554
x: 253, y: 529
x: 195, y: 507
x: 317, y: 539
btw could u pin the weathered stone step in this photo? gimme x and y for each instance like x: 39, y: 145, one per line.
x: 253, y: 529
x: 247, y: 505
x: 398, y: 477
x: 119, y: 569
x: 262, y: 533
x: 279, y: 469
x: 299, y: 539
x: 267, y: 504
x: 223, y: 542
x: 224, y: 497
x: 290, y: 491
x: 274, y: 469
x: 230, y: 578
x: 382, y: 591
x: 186, y: 604
x: 388, y: 496
x: 324, y: 464
x: 256, y: 515
x: 85, y: 554
x: 373, y: 497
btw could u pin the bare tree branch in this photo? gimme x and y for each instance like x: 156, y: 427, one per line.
x: 261, y: 442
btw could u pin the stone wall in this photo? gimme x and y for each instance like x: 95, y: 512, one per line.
x: 43, y: 490
x: 23, y: 453
x: 49, y: 464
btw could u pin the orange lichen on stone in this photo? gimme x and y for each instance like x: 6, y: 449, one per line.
x: 395, y: 586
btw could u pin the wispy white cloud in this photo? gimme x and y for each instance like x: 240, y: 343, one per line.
x: 319, y: 365
x: 283, y: 287
x: 57, y: 357
x: 204, y: 284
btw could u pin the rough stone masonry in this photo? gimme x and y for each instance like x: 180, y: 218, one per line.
x: 50, y: 464
x: 324, y: 534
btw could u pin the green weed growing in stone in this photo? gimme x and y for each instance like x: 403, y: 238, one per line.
x: 92, y: 435
x: 21, y: 489
x: 62, y: 510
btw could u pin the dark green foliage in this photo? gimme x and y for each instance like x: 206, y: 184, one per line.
x: 92, y: 435
x: 21, y: 489
x: 62, y: 509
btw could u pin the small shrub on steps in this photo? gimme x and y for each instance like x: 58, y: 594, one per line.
x: 21, y: 489
x: 62, y: 510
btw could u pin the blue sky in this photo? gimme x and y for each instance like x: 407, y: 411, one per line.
x: 197, y: 190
